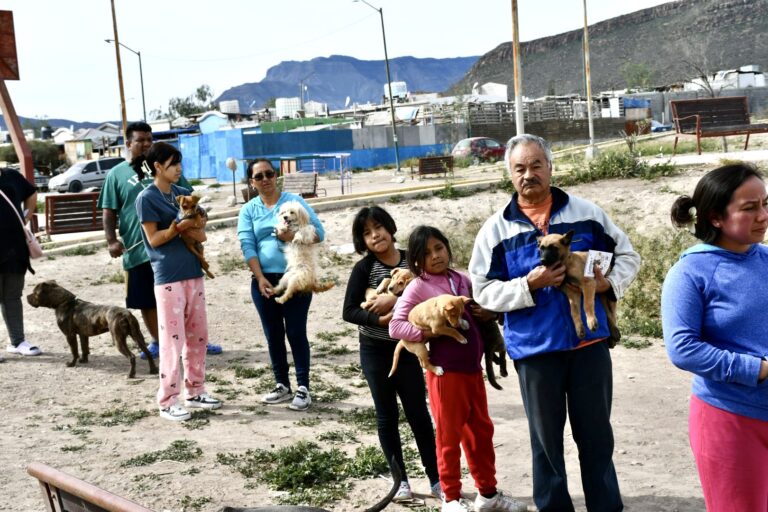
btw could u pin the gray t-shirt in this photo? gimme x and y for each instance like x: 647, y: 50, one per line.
x: 172, y: 261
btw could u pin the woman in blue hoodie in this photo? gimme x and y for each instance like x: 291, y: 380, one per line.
x: 713, y: 308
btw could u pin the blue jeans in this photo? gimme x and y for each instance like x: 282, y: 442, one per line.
x: 408, y: 384
x: 578, y: 385
x: 279, y: 321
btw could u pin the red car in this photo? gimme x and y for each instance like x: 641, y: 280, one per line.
x: 480, y: 149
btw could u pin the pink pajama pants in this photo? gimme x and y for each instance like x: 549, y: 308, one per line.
x: 183, y: 332
x: 731, y: 453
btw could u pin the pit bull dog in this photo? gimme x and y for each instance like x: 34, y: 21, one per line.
x: 556, y: 248
x: 80, y: 318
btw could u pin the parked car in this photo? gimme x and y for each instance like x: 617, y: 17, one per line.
x: 479, y: 149
x: 82, y: 175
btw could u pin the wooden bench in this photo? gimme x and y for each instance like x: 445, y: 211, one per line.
x: 713, y: 117
x: 65, y: 493
x: 433, y: 165
x: 302, y: 183
x: 72, y: 213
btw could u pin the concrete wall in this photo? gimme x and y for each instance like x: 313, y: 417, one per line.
x: 757, y: 98
x: 575, y: 131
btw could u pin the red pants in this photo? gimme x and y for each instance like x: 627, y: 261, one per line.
x: 731, y: 453
x: 183, y: 332
x: 460, y: 410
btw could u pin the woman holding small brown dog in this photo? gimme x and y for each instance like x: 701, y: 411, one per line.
x: 179, y: 287
x: 262, y: 245
x: 713, y: 308
x: 373, y: 234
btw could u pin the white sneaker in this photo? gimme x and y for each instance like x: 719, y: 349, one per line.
x: 301, y: 400
x: 403, y: 493
x: 453, y: 506
x: 202, y: 401
x: 499, y: 503
x: 175, y: 413
x: 24, y: 348
x: 281, y: 393
x: 437, y: 491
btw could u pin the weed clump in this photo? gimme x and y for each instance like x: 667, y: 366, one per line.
x: 179, y: 451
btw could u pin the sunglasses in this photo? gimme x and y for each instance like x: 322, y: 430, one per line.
x: 266, y: 174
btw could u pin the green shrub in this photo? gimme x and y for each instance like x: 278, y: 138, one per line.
x: 614, y: 164
x: 640, y: 308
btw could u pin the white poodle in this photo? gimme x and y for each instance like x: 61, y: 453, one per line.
x: 301, y: 253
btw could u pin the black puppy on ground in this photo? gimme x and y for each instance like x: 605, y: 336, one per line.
x: 80, y: 318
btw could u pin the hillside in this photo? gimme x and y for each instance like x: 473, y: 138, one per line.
x: 671, y: 40
x: 332, y: 79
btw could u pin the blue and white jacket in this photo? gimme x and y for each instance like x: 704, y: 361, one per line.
x: 506, y: 250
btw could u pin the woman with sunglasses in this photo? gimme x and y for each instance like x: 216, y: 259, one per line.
x: 263, y: 252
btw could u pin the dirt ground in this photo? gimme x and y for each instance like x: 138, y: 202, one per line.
x: 54, y: 414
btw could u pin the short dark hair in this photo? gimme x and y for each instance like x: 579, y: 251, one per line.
x: 376, y: 214
x: 139, y: 126
x: 252, y: 163
x: 160, y: 152
x: 711, y: 197
x: 417, y: 247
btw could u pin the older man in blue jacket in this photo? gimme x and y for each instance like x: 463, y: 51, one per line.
x: 560, y: 374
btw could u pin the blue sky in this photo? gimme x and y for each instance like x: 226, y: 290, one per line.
x: 68, y: 71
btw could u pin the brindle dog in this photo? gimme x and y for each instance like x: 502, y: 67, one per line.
x: 495, y: 351
x: 557, y: 248
x: 80, y: 318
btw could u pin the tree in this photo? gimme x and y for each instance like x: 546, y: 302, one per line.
x: 200, y: 101
x: 45, y: 155
x: 638, y: 75
x: 270, y: 103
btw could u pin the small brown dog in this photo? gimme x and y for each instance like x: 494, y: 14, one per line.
x: 78, y: 318
x: 438, y: 316
x: 557, y: 248
x: 394, y: 285
x: 195, y: 236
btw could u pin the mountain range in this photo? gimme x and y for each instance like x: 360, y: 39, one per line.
x: 673, y: 42
x: 338, y: 80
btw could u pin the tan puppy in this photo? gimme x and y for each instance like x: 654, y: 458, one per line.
x: 301, y: 274
x: 438, y: 316
x: 557, y: 248
x: 394, y: 285
x: 195, y: 236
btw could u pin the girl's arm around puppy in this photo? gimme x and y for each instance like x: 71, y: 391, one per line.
x: 399, y: 327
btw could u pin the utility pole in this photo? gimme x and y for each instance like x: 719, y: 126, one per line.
x: 591, y: 150
x: 119, y: 72
x: 518, y: 74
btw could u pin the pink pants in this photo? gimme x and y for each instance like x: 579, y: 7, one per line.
x: 460, y: 409
x: 731, y: 453
x: 183, y: 332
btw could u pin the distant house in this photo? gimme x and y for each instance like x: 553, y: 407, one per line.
x: 62, y: 135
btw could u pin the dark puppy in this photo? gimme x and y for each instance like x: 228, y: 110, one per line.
x: 557, y: 248
x: 495, y: 351
x: 79, y: 318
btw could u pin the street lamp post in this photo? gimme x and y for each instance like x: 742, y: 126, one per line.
x: 389, y: 82
x: 141, y: 74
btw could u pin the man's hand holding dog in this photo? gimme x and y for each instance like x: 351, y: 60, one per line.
x: 541, y: 276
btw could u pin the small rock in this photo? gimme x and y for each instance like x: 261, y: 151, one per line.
x: 231, y: 201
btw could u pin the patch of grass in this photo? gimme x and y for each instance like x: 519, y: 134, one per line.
x: 179, y: 451
x: 190, y: 472
x: 368, y: 462
x: 450, y: 192
x: 639, y: 309
x: 363, y: 420
x: 200, y: 419
x: 242, y: 372
x: 73, y: 448
x: 635, y: 343
x: 212, y: 378
x: 81, y: 250
x: 308, y: 422
x: 110, y: 417
x: 195, y: 182
x: 227, y: 393
x: 395, y: 199
x: 189, y: 503
x: 350, y: 371
x: 612, y: 164
x: 329, y: 393
x: 684, y: 145
x: 338, y: 437
x: 230, y: 262
x: 75, y: 431
x: 335, y: 335
x: 214, y: 185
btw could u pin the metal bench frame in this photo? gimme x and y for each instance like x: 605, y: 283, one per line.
x: 433, y: 165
